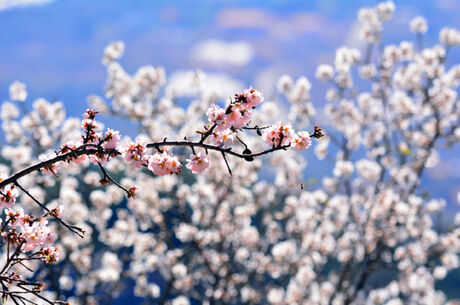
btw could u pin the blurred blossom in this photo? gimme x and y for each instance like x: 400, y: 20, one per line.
x: 418, y: 25
x: 18, y: 92
x: 113, y: 52
x: 449, y: 37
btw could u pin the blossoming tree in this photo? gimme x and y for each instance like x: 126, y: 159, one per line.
x: 225, y: 236
x: 29, y: 238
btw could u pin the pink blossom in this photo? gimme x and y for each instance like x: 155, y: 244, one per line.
x: 224, y: 138
x: 135, y: 154
x: 164, y: 164
x: 216, y: 115
x: 278, y: 133
x: 254, y: 97
x: 301, y: 140
x: 234, y: 116
x: 37, y: 235
x: 238, y: 117
x: 157, y: 164
x: 198, y: 163
x: 111, y: 139
x: 250, y: 98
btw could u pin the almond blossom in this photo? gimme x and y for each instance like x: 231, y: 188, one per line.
x: 135, y: 154
x: 279, y: 134
x: 223, y: 138
x: 217, y: 116
x: 198, y: 163
x: 301, y: 140
x: 250, y: 98
x: 164, y: 164
x: 111, y: 139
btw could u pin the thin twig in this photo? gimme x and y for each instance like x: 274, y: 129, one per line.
x: 74, y: 229
x: 106, y: 175
x: 226, y: 162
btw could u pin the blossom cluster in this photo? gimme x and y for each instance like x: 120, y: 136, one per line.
x: 372, y: 20
x: 226, y: 121
x: 198, y: 163
x: 135, y: 154
x: 30, y: 234
x: 283, y: 134
x: 164, y: 163
x: 224, y: 124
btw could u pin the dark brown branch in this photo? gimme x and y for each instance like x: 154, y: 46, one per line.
x: 216, y: 148
x: 82, y: 150
x: 49, y: 162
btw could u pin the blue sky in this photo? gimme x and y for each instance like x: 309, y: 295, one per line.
x: 55, y: 47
